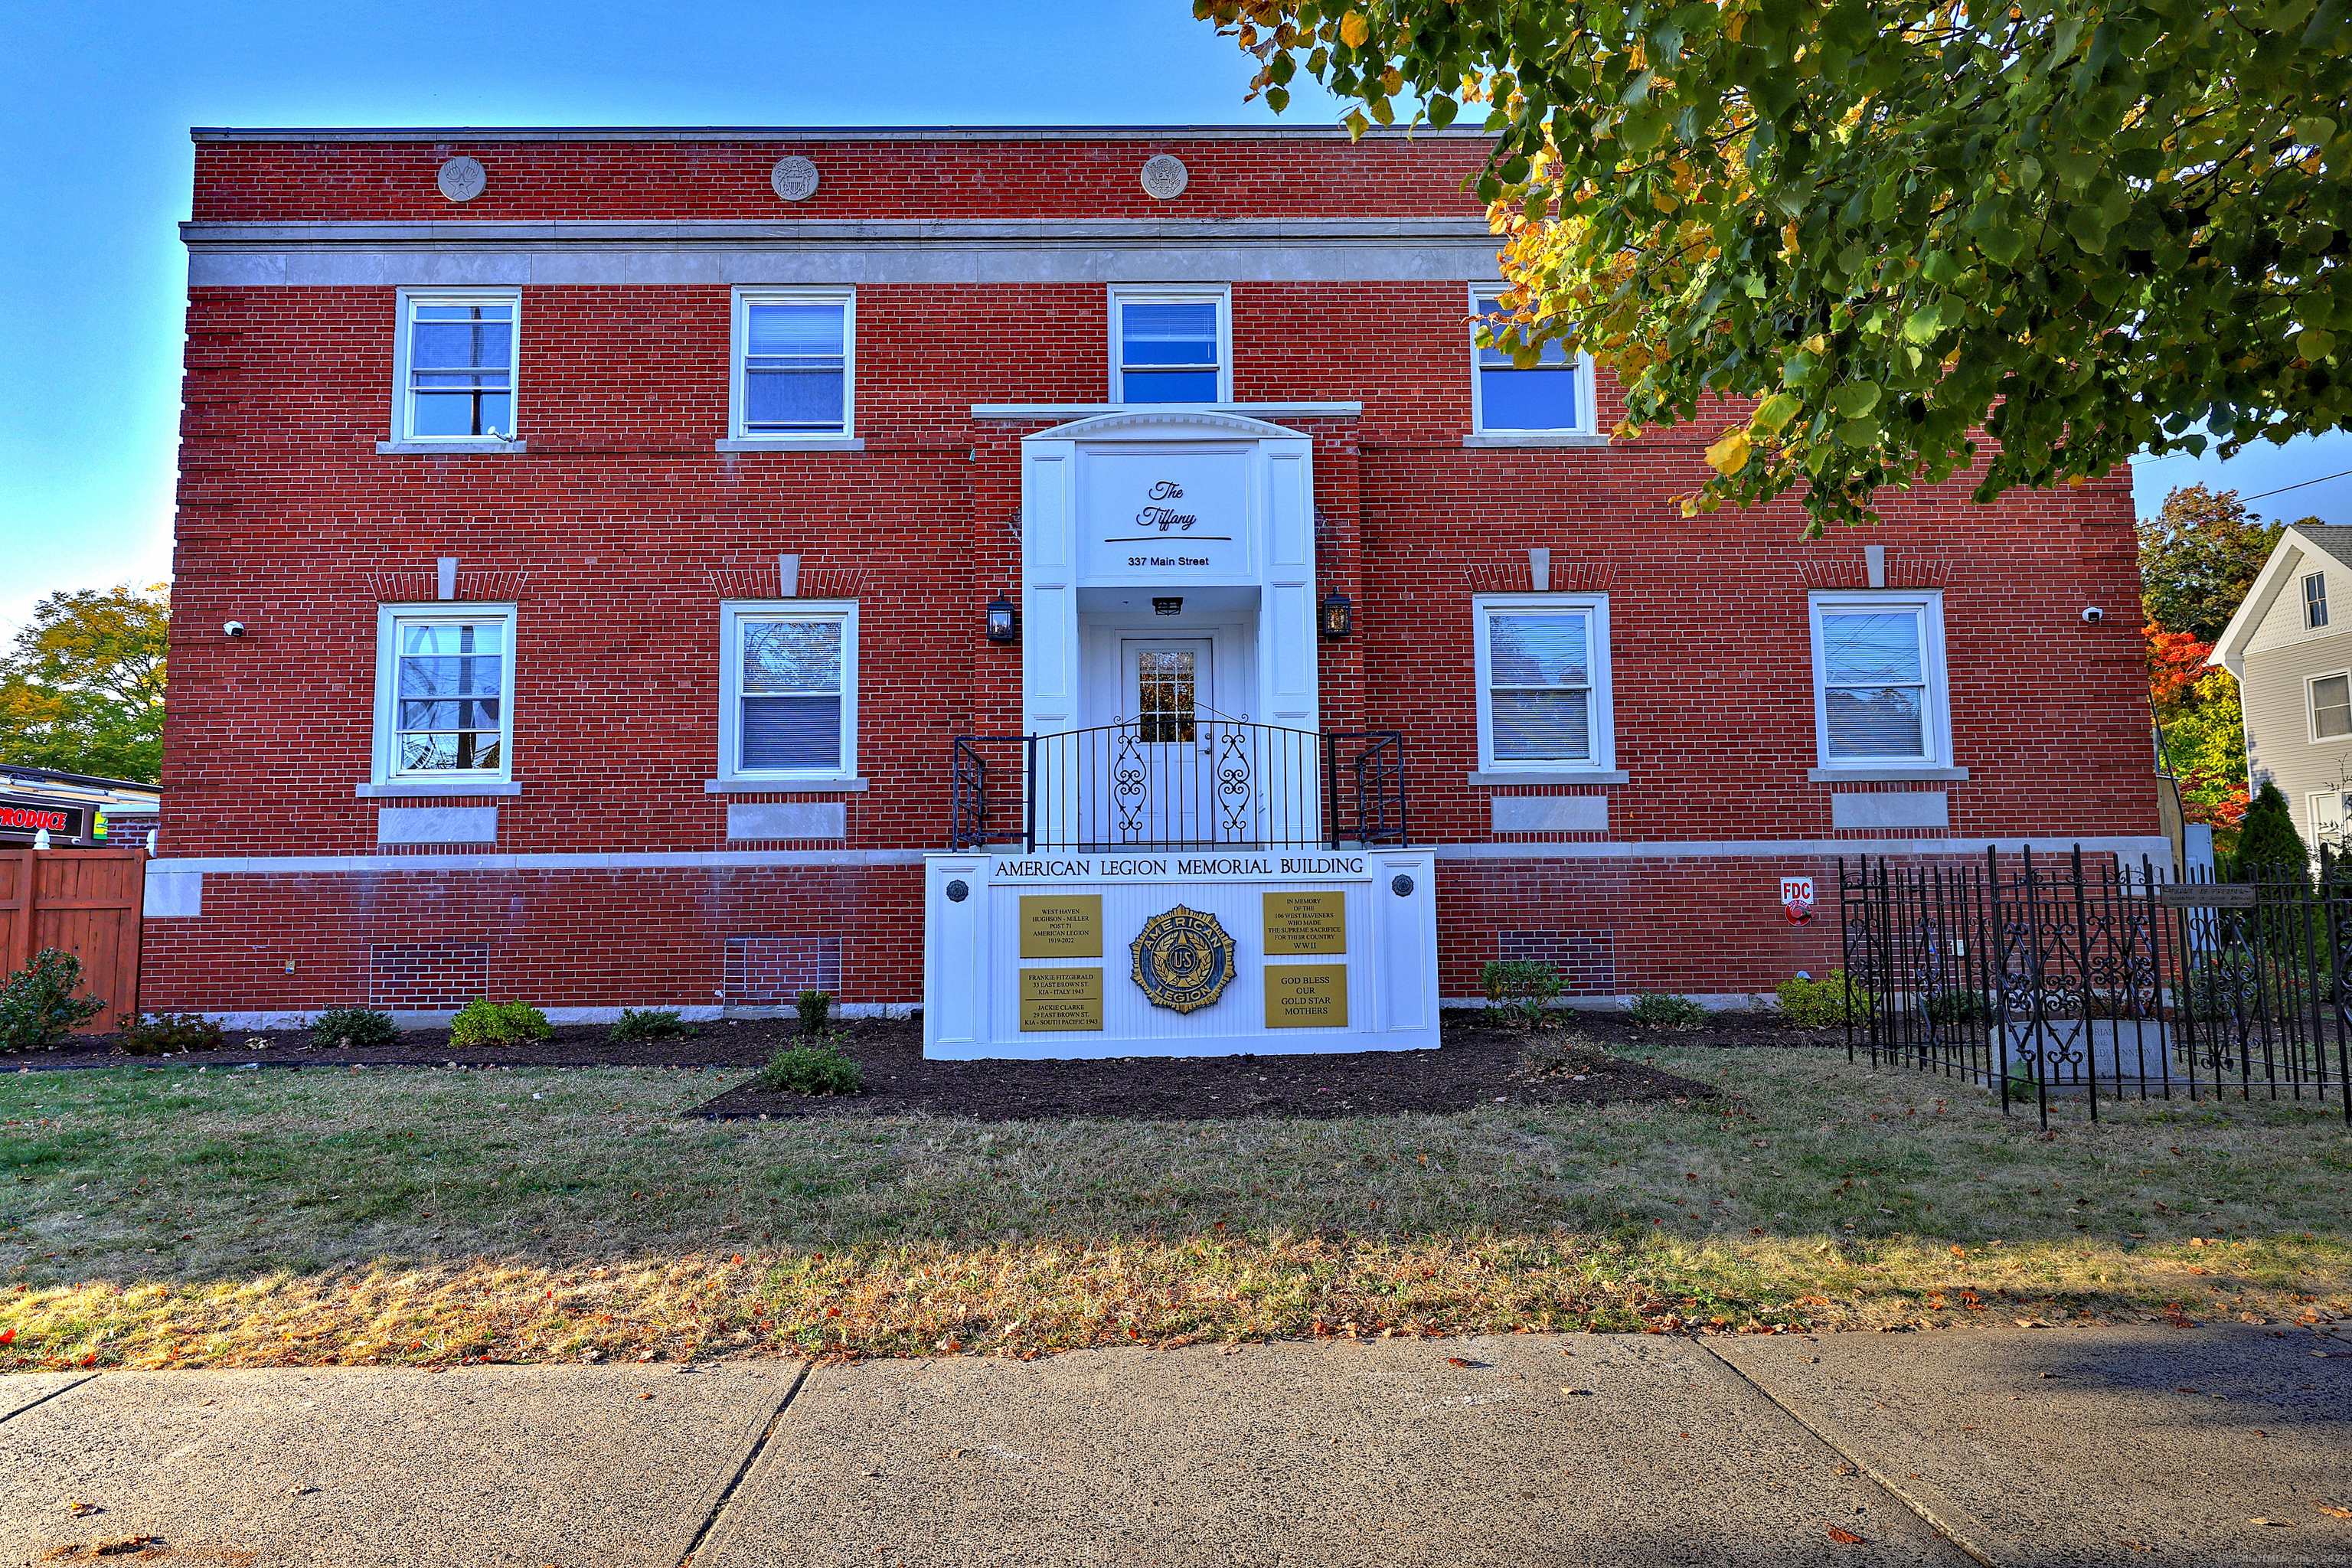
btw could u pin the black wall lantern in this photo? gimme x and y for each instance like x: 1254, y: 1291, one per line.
x: 1337, y: 615
x: 1004, y: 620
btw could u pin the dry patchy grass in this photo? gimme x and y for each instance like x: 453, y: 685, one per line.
x: 160, y: 1217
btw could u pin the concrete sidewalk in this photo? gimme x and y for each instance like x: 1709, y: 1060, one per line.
x: 2208, y: 1445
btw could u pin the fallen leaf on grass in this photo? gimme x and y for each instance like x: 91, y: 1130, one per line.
x: 122, y: 1545
x: 9, y: 1338
x: 1846, y: 1537
x: 1585, y: 1393
x: 2336, y: 1512
x: 1463, y: 1361
x: 2275, y: 1523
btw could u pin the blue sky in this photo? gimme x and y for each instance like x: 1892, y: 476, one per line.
x: 95, y: 103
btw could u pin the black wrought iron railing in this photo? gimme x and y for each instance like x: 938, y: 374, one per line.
x: 1193, y: 783
x: 2078, y: 976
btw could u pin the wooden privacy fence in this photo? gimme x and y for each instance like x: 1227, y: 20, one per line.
x: 82, y: 901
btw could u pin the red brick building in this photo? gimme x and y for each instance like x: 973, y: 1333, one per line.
x: 610, y: 520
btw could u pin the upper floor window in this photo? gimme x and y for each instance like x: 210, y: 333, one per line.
x: 1879, y: 680
x: 456, y: 366
x: 1553, y: 397
x: 443, y: 683
x: 795, y: 364
x: 2331, y: 707
x: 1171, y: 345
x: 1543, y: 681
x: 2315, y: 600
x: 789, y: 707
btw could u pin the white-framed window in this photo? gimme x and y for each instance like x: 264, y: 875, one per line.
x: 1543, y: 682
x: 1170, y: 344
x: 2331, y: 811
x: 1879, y: 695
x: 794, y: 373
x: 2315, y: 600
x: 2331, y: 706
x: 788, y: 689
x: 1552, y: 397
x: 455, y: 365
x: 445, y: 692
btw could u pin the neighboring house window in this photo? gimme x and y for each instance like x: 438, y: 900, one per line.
x: 445, y: 681
x: 1543, y: 682
x: 1553, y: 396
x: 2331, y: 707
x: 1879, y: 680
x: 1171, y: 345
x: 456, y: 366
x: 2315, y: 600
x: 2330, y: 810
x: 789, y: 702
x: 795, y: 364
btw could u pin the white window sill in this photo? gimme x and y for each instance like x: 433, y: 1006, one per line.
x: 1535, y: 438
x: 425, y: 788
x: 792, y: 444
x: 1490, y: 779
x: 448, y: 449
x: 844, y: 785
x: 1095, y: 410
x: 1923, y: 774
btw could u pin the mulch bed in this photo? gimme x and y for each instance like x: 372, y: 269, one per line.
x: 1476, y: 1065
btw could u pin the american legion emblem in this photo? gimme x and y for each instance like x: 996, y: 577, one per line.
x: 1183, y: 960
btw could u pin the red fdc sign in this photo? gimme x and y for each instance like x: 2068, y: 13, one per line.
x: 31, y: 819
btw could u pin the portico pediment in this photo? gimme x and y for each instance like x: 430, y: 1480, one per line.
x: 1168, y: 423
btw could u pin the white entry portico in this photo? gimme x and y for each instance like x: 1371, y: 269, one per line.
x: 1182, y: 880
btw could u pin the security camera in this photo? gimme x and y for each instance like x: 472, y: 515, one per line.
x: 232, y: 628
x: 2092, y: 615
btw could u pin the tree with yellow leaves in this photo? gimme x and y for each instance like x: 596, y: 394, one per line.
x: 1882, y: 227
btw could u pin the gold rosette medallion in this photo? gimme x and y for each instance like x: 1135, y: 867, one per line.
x: 1183, y: 960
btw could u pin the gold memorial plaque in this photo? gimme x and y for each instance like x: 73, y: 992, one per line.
x: 1061, y: 999
x: 1306, y: 922
x: 1061, y: 925
x: 1306, y: 996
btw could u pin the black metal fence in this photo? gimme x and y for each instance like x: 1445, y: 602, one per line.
x: 2036, y: 977
x: 1197, y: 784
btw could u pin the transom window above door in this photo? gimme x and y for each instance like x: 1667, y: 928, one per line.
x: 1171, y: 345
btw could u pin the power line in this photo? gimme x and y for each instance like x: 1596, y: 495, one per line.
x: 2284, y: 488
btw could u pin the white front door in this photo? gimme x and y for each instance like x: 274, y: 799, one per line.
x: 1163, y: 777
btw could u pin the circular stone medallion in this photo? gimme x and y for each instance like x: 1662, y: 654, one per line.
x: 1164, y: 177
x: 794, y: 178
x: 1183, y: 960
x: 462, y: 179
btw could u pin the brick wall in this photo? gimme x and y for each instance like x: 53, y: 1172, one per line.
x: 619, y: 531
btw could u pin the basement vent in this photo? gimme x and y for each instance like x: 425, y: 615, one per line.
x: 771, y: 971
x: 1586, y: 960
x: 428, y: 976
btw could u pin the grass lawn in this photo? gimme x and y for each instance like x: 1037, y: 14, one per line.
x: 168, y: 1216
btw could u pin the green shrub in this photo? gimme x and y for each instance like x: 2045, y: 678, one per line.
x: 1521, y: 989
x: 648, y: 1023
x: 1666, y: 1010
x: 1823, y: 1004
x: 815, y: 1007
x: 811, y: 1066
x: 167, y: 1033
x: 352, y: 1029
x: 1956, y: 1008
x: 487, y: 1022
x: 37, y: 1006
